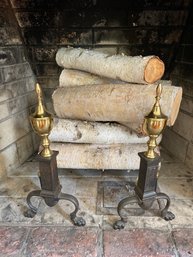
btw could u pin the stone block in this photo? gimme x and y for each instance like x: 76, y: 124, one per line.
x: 5, y: 94
x: 138, y: 242
x: 40, y: 37
x: 187, y: 104
x: 187, y: 85
x: 65, y: 242
x: 44, y: 54
x: 48, y: 82
x: 6, y: 17
x: 188, y: 53
x: 36, y: 141
x: 8, y: 55
x: 3, y: 4
x: 14, y: 128
x: 11, y: 107
x: 47, y: 69
x: 25, y: 147
x: 161, y: 18
x: 13, y: 240
x: 30, y: 83
x: 75, y: 37
x: 95, y: 17
x: 175, y: 144
x: 184, y: 125
x: 137, y: 36
x: 183, y: 239
x: 189, y: 156
x: 9, y: 36
x: 107, y: 50
x: 17, y: 71
x: 184, y: 70
x: 34, y: 4
x: 21, y: 54
x: 8, y: 159
x: 17, y: 88
x: 37, y: 19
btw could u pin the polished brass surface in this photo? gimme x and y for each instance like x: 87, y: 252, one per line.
x: 42, y: 121
x: 154, y: 124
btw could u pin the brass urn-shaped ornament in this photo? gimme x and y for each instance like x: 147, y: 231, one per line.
x: 41, y: 121
x: 154, y: 124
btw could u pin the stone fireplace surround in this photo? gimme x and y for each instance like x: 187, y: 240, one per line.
x: 32, y: 31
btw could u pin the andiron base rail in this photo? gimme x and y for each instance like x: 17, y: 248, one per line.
x: 145, y: 191
x: 51, y: 189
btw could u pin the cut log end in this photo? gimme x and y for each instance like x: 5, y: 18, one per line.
x: 154, y: 70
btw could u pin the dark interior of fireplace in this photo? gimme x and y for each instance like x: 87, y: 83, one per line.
x: 33, y: 30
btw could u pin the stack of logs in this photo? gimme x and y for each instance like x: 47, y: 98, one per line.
x: 100, y: 105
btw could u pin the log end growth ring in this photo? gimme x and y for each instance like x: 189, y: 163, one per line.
x: 154, y: 70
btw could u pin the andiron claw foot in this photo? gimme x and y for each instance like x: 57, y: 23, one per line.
x: 119, y: 224
x: 51, y: 189
x: 146, y: 192
x: 77, y: 221
x: 165, y: 214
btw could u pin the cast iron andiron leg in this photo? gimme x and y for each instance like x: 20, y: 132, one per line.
x: 145, y: 191
x: 51, y: 189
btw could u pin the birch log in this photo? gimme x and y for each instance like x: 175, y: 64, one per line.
x: 122, y: 103
x: 135, y: 69
x: 103, y: 157
x: 76, y: 131
x: 70, y: 78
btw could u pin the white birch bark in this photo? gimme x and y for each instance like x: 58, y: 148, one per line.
x: 100, y: 157
x: 122, y: 103
x: 134, y: 69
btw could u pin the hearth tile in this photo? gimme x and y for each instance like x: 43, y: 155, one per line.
x: 60, y: 213
x: 88, y: 204
x: 176, y: 187
x: 62, y: 241
x: 175, y: 170
x: 111, y: 192
x: 27, y: 169
x: 68, y: 185
x: 183, y: 239
x: 120, y: 173
x: 166, y: 157
x: 142, y: 222
x: 183, y: 212
x: 12, y: 211
x: 86, y: 188
x: 17, y: 187
x: 26, y: 185
x: 12, y: 240
x: 79, y: 173
x: 138, y: 242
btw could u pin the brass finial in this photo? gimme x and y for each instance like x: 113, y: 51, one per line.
x: 40, y: 111
x: 41, y: 121
x: 154, y: 124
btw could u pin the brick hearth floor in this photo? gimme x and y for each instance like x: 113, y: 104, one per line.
x: 50, y: 232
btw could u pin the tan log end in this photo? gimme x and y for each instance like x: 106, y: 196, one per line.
x: 154, y: 70
x: 175, y: 107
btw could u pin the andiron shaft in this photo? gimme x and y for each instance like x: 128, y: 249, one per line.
x: 146, y: 191
x: 51, y: 189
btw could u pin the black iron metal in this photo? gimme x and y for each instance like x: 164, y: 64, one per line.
x: 146, y: 191
x: 51, y: 189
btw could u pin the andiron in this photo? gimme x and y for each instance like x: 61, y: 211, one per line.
x: 41, y: 122
x: 146, y: 191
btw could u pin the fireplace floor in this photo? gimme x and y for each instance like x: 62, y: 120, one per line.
x: 51, y: 233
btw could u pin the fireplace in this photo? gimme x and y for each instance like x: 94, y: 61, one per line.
x: 32, y: 32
